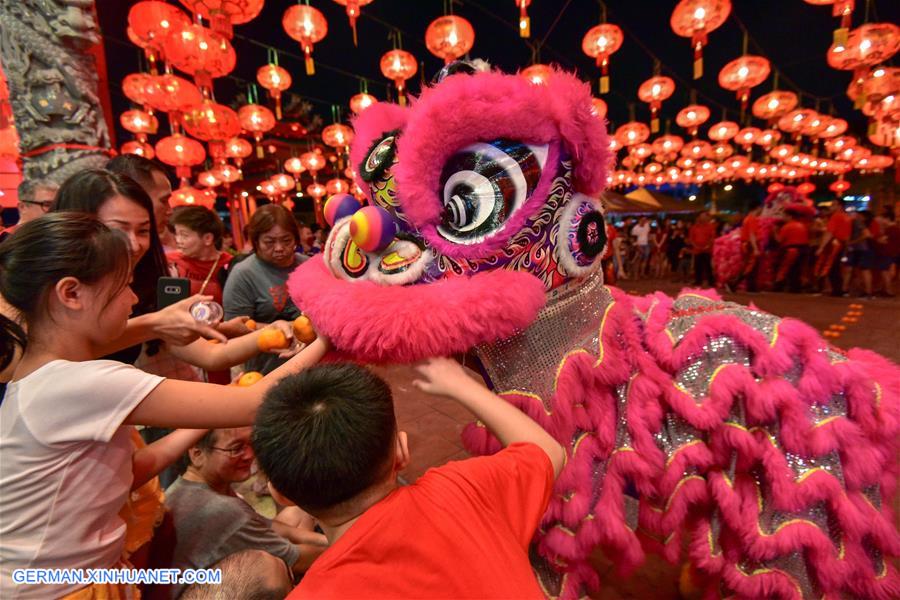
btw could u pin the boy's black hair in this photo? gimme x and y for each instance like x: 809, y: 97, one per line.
x: 326, y: 434
x: 200, y: 219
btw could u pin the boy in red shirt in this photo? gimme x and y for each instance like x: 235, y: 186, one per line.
x: 833, y: 248
x: 794, y: 239
x: 701, y: 237
x: 328, y: 440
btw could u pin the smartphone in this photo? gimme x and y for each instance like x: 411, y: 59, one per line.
x: 170, y: 290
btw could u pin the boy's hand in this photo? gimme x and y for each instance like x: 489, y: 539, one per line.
x: 441, y: 377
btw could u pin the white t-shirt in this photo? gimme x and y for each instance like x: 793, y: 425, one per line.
x: 65, y: 468
x: 642, y: 233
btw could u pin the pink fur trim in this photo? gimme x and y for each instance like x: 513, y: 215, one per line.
x: 437, y: 319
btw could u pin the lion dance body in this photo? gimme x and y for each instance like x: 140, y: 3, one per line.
x: 774, y: 452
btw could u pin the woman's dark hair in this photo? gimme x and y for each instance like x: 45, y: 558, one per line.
x: 45, y: 250
x: 86, y: 192
x: 268, y: 216
x: 139, y: 168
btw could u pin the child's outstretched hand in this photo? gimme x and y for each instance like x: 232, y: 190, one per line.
x: 441, y: 377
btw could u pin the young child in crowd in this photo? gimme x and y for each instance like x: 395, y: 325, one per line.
x: 67, y: 455
x: 328, y: 440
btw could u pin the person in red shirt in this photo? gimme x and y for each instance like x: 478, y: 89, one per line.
x: 834, y: 246
x: 611, y: 260
x: 794, y: 240
x: 750, y: 250
x: 701, y: 237
x: 328, y: 441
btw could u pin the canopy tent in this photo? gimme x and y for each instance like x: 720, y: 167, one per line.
x: 658, y: 202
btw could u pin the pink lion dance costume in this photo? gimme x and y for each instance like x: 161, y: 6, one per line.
x: 727, y: 257
x: 772, y: 450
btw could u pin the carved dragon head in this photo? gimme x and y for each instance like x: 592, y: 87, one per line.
x: 487, y: 186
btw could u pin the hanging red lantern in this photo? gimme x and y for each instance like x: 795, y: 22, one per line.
x: 814, y: 126
x: 283, y: 182
x: 200, y: 52
x: 767, y: 138
x: 692, y: 117
x: 743, y: 73
x: 782, y: 152
x: 172, y: 94
x: 307, y: 26
x: 149, y: 24
x: 353, y: 11
x: 139, y: 148
x: 337, y: 186
x: 865, y: 46
x: 524, y: 19
x: 213, y: 123
x: 537, y: 73
x: 722, y: 150
x: 312, y: 162
x: 839, y: 186
x: 316, y: 190
x: 449, y: 37
x: 774, y: 104
x: 135, y: 85
x: 640, y: 151
x: 667, y: 144
x: 208, y: 179
x: 600, y: 42
x: 398, y: 66
x: 697, y: 149
x: 881, y: 82
x: 226, y: 173
x: 238, y: 148
x: 723, y: 131
x: 294, y: 166
x: 276, y: 80
x: 268, y: 188
x: 598, y: 108
x: 632, y: 133
x: 695, y: 19
x: 361, y: 102
x: 337, y: 135
x: 795, y: 120
x: 837, y: 144
x: 806, y: 188
x: 224, y: 14
x: 191, y: 196
x: 257, y: 120
x: 654, y: 91
x: 181, y: 152
x: 140, y: 123
x: 746, y: 136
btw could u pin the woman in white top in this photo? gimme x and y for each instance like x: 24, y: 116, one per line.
x: 65, y: 455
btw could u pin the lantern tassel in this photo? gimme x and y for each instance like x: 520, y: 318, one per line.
x: 698, y: 41
x: 604, y: 75
x: 524, y: 22
x: 310, y: 65
x: 353, y: 27
x: 278, y: 107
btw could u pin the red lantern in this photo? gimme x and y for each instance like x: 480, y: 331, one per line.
x: 191, y: 196
x: 723, y: 131
x: 353, y: 7
x: 268, y: 188
x: 308, y: 26
x: 140, y: 123
x: 180, y: 152
x: 767, y: 137
x: 668, y: 144
x: 213, y: 123
x: 337, y: 135
x: 316, y: 190
x: 746, y: 136
x: 774, y: 104
x: 782, y: 152
x: 775, y: 187
x: 200, y: 52
x: 640, y: 151
x: 697, y: 149
x: 806, y: 188
x: 312, y: 162
x: 257, y: 120
x: 135, y: 85
x: 398, y: 66
x: 722, y: 150
x: 283, y: 182
x: 599, y: 43
x: 149, y: 24
x: 881, y: 82
x: 139, y: 148
x: 449, y: 37
x: 795, y: 120
x: 653, y: 92
x: 743, y: 73
x: 524, y: 19
x: 839, y: 186
x: 692, y: 117
x: 294, y: 166
x: 336, y: 186
x: 537, y: 73
x: 866, y: 45
x: 814, y: 126
x: 172, y: 94
x: 226, y: 173
x: 276, y: 80
x: 598, y: 108
x: 361, y: 102
x: 238, y: 149
x: 224, y: 14
x: 695, y: 19
x: 208, y: 179
x: 632, y: 133
x: 837, y: 144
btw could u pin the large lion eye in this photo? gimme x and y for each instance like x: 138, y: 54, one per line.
x: 483, y: 185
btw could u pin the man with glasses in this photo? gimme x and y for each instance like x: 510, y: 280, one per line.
x: 211, y: 521
x: 35, y: 199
